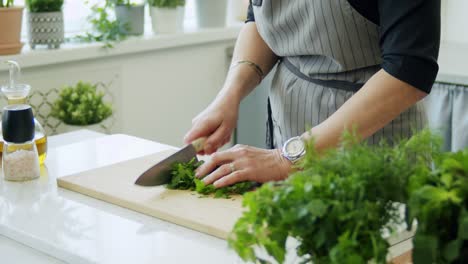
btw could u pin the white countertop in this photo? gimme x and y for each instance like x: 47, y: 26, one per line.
x: 56, y: 225
x: 40, y: 223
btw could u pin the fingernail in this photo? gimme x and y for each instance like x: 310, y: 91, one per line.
x: 207, y: 148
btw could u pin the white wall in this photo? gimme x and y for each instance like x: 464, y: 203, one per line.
x: 455, y: 21
x: 155, y: 93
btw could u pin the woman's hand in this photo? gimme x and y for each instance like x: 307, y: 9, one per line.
x: 244, y: 163
x: 216, y: 122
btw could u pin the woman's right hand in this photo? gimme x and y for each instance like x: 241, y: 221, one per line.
x: 216, y: 122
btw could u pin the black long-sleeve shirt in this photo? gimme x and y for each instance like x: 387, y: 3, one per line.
x: 409, y: 37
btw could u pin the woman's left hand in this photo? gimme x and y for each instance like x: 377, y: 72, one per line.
x: 244, y: 163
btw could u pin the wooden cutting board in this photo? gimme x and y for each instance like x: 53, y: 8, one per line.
x: 115, y: 184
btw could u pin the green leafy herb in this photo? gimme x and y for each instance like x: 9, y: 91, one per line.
x: 166, y: 3
x: 337, y: 206
x: 183, y: 178
x: 81, y: 105
x: 439, y: 202
x: 123, y: 2
x: 6, y: 3
x: 36, y: 6
x: 105, y: 28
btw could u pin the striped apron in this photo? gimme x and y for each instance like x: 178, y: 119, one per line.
x: 328, y: 51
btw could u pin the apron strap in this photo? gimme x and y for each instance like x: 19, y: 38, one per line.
x: 341, y: 85
x: 336, y: 84
x: 269, y: 128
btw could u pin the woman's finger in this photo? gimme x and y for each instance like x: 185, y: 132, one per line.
x: 232, y: 178
x: 218, y: 173
x: 217, y: 159
x: 200, y: 129
x: 205, y: 168
x: 216, y: 141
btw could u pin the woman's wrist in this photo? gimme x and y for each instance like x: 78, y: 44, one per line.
x: 240, y: 81
x: 229, y: 96
x: 286, y: 166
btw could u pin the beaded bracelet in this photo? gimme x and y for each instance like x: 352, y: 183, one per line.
x: 254, y: 66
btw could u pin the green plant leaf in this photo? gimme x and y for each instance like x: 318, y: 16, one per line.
x: 37, y: 6
x: 183, y: 178
x: 425, y: 248
x: 166, y: 3
x: 81, y: 104
x: 451, y: 250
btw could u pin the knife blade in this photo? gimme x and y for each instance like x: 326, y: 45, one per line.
x: 160, y: 173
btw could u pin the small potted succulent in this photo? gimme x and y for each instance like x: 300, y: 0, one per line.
x: 167, y: 16
x: 45, y: 23
x: 131, y: 15
x: 10, y: 27
x: 81, y: 105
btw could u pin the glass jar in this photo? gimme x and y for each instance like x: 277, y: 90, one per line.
x: 40, y: 138
x: 17, y: 93
x: 20, y: 159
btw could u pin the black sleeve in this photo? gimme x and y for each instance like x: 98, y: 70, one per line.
x: 250, y: 13
x: 410, y: 40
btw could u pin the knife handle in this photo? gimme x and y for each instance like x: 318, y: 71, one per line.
x: 199, y: 144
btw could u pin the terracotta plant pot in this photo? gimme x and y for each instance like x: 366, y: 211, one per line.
x: 10, y: 30
x: 46, y: 28
x: 133, y: 17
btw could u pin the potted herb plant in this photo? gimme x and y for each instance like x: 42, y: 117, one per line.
x: 105, y: 28
x: 10, y: 27
x: 81, y: 105
x: 338, y: 204
x: 167, y: 16
x: 45, y: 23
x: 131, y: 15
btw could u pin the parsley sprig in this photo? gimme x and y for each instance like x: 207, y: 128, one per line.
x: 439, y: 202
x: 105, y: 28
x: 183, y: 178
x: 339, y: 204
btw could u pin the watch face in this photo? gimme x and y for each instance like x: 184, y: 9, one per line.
x: 295, y: 147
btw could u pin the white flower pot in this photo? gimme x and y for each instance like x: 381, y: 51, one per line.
x: 65, y: 128
x: 167, y: 20
x: 211, y: 13
x: 46, y: 29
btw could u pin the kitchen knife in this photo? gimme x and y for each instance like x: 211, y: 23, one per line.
x: 161, y: 173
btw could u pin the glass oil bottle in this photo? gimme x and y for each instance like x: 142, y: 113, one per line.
x: 17, y: 93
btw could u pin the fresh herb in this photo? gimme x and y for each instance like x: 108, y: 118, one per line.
x: 6, y: 3
x: 183, y: 178
x: 183, y: 175
x: 36, y: 6
x: 439, y: 202
x: 166, y: 3
x: 81, y: 105
x: 337, y: 206
x: 124, y: 2
x: 105, y: 28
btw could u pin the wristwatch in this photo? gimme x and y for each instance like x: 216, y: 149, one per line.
x: 294, y: 149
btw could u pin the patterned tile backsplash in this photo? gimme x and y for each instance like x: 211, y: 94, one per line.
x: 42, y: 101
